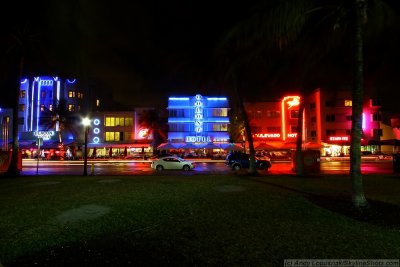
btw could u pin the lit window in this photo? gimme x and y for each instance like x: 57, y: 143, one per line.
x: 22, y: 107
x: 348, y: 103
x: 71, y: 107
x: 113, y: 136
x: 22, y: 94
x: 50, y: 107
x: 110, y: 121
x: 42, y: 108
x: 97, y: 102
x: 71, y: 94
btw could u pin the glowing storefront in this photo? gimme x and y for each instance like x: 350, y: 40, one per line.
x: 198, y: 120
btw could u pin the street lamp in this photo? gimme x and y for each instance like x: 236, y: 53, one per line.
x: 86, y: 124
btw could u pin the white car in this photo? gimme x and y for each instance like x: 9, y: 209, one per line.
x: 172, y: 163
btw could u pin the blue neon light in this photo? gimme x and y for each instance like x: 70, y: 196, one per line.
x: 96, y: 140
x: 178, y: 98
x: 96, y: 130
x: 71, y: 81
x: 24, y: 81
x: 96, y: 122
x: 217, y: 98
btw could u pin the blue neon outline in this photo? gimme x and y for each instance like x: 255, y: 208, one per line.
x: 73, y: 81
x: 96, y: 122
x: 178, y: 98
x: 96, y: 140
x: 217, y: 98
x: 96, y: 130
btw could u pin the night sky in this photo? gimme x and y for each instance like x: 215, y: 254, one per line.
x: 144, y: 51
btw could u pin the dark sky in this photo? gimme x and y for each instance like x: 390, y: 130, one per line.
x: 145, y: 51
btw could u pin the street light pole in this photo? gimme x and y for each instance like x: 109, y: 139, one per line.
x: 86, y: 123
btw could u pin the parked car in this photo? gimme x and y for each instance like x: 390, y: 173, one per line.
x: 240, y: 160
x: 172, y: 163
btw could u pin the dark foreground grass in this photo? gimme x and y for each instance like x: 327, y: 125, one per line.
x: 193, y: 220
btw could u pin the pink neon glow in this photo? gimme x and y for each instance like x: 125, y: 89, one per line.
x: 363, y: 122
x: 291, y: 101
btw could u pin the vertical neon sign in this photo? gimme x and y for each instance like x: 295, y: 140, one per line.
x: 291, y: 101
x: 198, y: 114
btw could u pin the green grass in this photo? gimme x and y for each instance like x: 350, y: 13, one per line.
x: 211, y: 220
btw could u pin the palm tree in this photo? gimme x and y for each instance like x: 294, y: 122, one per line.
x: 157, y: 125
x: 59, y: 116
x: 20, y: 42
x: 278, y: 24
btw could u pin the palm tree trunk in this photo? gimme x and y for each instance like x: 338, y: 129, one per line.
x: 13, y: 169
x: 252, y: 167
x: 299, y: 142
x: 358, y: 197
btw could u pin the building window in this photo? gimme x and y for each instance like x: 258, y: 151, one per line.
x: 110, y: 121
x: 219, y: 112
x: 71, y: 107
x: 313, y: 119
x: 349, y: 118
x: 348, y: 103
x: 128, y: 121
x: 273, y: 114
x: 119, y: 121
x: 312, y: 105
x: 176, y: 113
x: 176, y: 127
x: 293, y: 129
x: 22, y: 107
x: 294, y: 114
x: 97, y: 102
x: 71, y: 94
x: 22, y: 93
x: 330, y: 117
x: 330, y: 132
x: 79, y: 108
x: 78, y: 95
x: 220, y: 127
x: 43, y: 94
x: 51, y: 107
x: 376, y: 103
x: 113, y: 136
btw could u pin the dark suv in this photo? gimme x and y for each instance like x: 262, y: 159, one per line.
x: 241, y: 160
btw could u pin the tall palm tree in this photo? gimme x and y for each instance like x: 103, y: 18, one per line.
x: 282, y: 23
x: 20, y: 42
x: 60, y: 117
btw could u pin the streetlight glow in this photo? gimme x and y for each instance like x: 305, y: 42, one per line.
x: 86, y: 122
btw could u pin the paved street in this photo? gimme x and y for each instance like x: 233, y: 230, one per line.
x: 30, y: 167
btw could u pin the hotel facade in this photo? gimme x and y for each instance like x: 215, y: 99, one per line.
x: 198, y: 120
x: 326, y: 123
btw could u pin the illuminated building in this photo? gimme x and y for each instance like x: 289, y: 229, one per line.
x: 6, y: 128
x: 118, y: 131
x: 39, y: 96
x: 274, y: 122
x: 198, y: 120
x: 328, y: 121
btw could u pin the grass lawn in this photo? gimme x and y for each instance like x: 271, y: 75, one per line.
x: 195, y: 220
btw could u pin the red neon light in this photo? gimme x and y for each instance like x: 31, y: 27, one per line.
x: 274, y: 135
x: 291, y: 101
x: 339, y: 138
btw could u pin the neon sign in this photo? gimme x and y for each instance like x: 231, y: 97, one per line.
x: 274, y: 135
x: 198, y: 114
x: 198, y: 139
x: 45, y: 135
x: 339, y: 138
x: 290, y: 101
x: 143, y: 133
